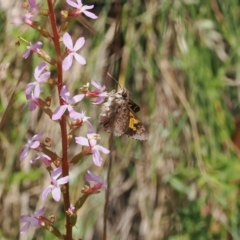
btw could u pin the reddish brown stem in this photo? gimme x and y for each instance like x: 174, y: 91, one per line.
x: 63, y: 122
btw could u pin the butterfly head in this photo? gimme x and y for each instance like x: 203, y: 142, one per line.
x: 124, y: 93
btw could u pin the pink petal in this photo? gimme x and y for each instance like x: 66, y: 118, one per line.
x: 91, y: 177
x: 86, y: 7
x: 67, y: 62
x: 26, y: 54
x: 73, y: 4
x: 82, y: 141
x: 90, y: 127
x: 79, y: 43
x: 65, y: 94
x: 29, y: 88
x: 75, y: 115
x: 77, y: 99
x: 79, y: 3
x: 38, y: 70
x: 90, y: 15
x: 63, y: 180
x: 97, y: 159
x: 34, y: 222
x: 56, y: 194
x: 98, y: 100
x: 102, y: 149
x: 67, y: 40
x: 57, y: 114
x: 56, y: 173
x: 37, y: 136
x: 32, y: 3
x: 44, y: 77
x: 24, y: 153
x: 34, y: 145
x: 95, y: 84
x: 35, y: 159
x: 25, y: 218
x: 40, y: 212
x: 79, y: 58
x: 37, y: 90
x: 33, y: 105
x: 45, y: 192
x: 24, y: 228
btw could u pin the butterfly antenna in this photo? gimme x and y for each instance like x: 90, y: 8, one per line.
x: 114, y: 79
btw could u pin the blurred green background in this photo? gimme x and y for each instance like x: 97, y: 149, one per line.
x: 180, y: 61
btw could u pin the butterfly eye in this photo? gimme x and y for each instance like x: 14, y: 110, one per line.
x: 124, y: 94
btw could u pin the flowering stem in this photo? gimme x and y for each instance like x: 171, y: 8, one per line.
x: 105, y: 215
x: 63, y: 122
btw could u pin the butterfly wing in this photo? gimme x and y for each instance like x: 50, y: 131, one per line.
x: 136, y: 129
x: 133, y: 106
x: 114, y: 117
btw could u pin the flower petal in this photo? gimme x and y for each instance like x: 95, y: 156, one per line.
x: 56, y: 173
x: 96, y: 84
x: 24, y: 228
x: 79, y: 43
x: 59, y: 111
x: 34, y: 222
x: 25, y: 218
x: 37, y: 136
x: 67, y: 40
x: 67, y: 62
x: 39, y: 69
x: 90, y: 15
x: 97, y: 159
x: 91, y: 177
x: 82, y: 141
x: 79, y: 58
x: 45, y: 192
x: 102, y: 149
x: 63, y: 180
x: 37, y: 90
x: 77, y: 98
x: 44, y: 77
x: 29, y: 88
x: 24, y: 153
x: 72, y: 4
x: 34, y: 144
x: 40, y: 212
x: 56, y: 194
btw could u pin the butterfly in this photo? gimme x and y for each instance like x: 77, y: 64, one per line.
x: 118, y: 116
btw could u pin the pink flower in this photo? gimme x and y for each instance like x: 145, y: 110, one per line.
x: 32, y: 4
x: 32, y: 47
x: 95, y: 149
x: 78, y: 116
x: 28, y: 17
x: 54, y: 187
x: 45, y: 158
x: 79, y: 119
x: 81, y: 9
x: 99, y: 93
x: 34, y: 220
x: 32, y: 101
x: 97, y: 181
x: 69, y: 101
x: 31, y: 143
x: 41, y: 77
x: 25, y: 19
x: 67, y: 62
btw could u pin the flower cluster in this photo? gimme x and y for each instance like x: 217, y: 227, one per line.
x: 57, y: 166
